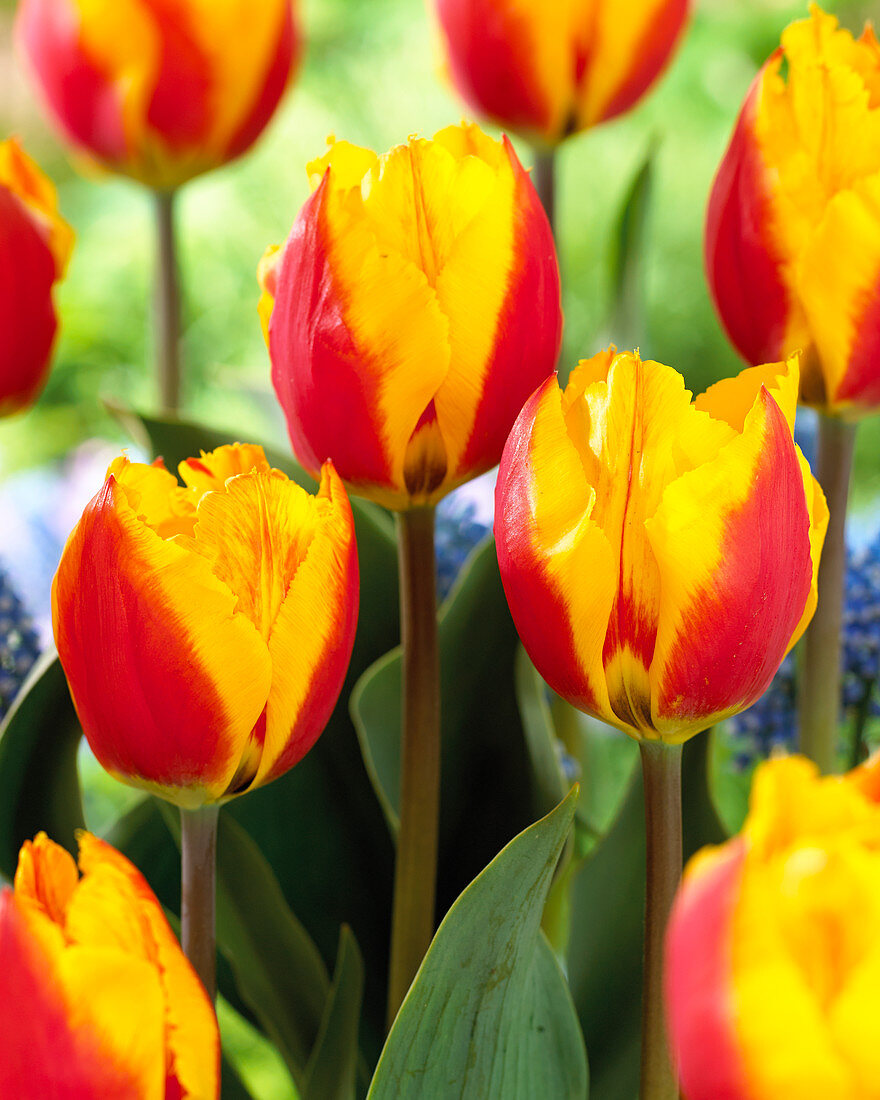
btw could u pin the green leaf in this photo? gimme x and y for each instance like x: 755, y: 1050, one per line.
x: 39, y: 785
x: 489, y: 1015
x: 333, y: 1066
x: 487, y: 787
x: 626, y: 323
x: 540, y: 731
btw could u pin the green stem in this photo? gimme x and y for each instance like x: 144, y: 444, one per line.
x: 820, y: 680
x: 661, y: 775
x: 415, y: 872
x: 198, y: 851
x: 863, y: 712
x: 167, y: 306
x: 544, y: 180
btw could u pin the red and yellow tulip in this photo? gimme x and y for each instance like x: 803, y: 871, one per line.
x: 160, y: 91
x: 773, y: 946
x: 659, y: 556
x: 551, y: 69
x: 206, y: 629
x: 35, y: 245
x: 793, y: 227
x: 99, y: 1001
x: 413, y: 309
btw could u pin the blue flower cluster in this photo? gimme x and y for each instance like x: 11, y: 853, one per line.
x: 458, y: 530
x: 772, y: 721
x: 19, y: 644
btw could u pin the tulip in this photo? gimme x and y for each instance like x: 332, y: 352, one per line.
x: 206, y: 629
x: 793, y: 260
x: 550, y: 70
x: 413, y: 309
x: 160, y: 92
x: 793, y: 226
x: 659, y: 556
x: 773, y: 949
x: 98, y: 1001
x: 36, y: 245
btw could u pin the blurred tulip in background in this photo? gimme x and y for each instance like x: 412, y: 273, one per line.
x: 160, y: 92
x: 659, y: 556
x: 35, y: 245
x: 548, y: 70
x: 98, y: 1000
x: 206, y: 630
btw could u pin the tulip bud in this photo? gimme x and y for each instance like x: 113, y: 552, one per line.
x: 160, y: 92
x: 772, y: 958
x: 549, y: 70
x: 36, y: 244
x: 206, y: 631
x: 411, y: 312
x: 793, y: 226
x: 99, y: 1001
x: 659, y: 556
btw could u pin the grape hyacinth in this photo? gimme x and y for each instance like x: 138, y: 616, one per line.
x: 772, y: 722
x: 19, y: 644
x: 464, y: 518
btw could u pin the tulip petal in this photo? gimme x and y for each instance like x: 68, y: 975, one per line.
x: 42, y: 1051
x: 379, y: 343
x: 98, y: 913
x: 147, y: 635
x: 700, y: 995
x: 840, y: 288
x: 312, y: 637
x: 731, y: 540
x: 622, y: 47
x: 27, y: 315
x: 547, y: 544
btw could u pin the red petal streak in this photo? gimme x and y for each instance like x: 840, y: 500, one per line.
x: 744, y: 271
x: 180, y: 108
x: 40, y: 1056
x: 328, y: 398
x: 539, y: 612
x: 27, y: 316
x: 146, y: 706
x: 284, y: 62
x: 650, y: 58
x: 529, y: 329
x: 736, y: 634
x: 699, y: 990
x: 84, y: 101
x: 490, y: 54
x: 861, y: 382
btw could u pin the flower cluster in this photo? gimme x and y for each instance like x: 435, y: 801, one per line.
x: 19, y: 643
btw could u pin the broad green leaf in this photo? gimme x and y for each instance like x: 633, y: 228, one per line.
x: 39, y: 785
x: 489, y: 1015
x: 487, y: 792
x: 333, y: 1066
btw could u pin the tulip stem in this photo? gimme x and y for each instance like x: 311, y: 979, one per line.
x: 415, y: 871
x: 544, y: 180
x: 820, y: 679
x: 661, y: 776
x: 198, y: 853
x: 167, y: 306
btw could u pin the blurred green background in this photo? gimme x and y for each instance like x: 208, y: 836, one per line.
x: 371, y: 75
